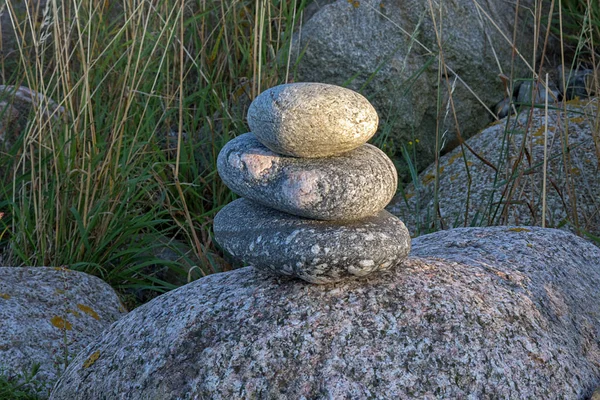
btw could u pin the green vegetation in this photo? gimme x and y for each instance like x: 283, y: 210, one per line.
x: 21, y: 387
x: 577, y: 22
x: 150, y: 91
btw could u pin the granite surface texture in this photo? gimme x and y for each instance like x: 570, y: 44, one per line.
x: 47, y: 316
x: 485, y: 313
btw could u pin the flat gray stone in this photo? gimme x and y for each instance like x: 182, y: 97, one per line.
x: 47, y: 316
x: 316, y: 251
x: 346, y: 187
x: 479, y: 313
x: 312, y: 119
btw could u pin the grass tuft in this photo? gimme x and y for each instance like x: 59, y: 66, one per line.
x: 147, y: 93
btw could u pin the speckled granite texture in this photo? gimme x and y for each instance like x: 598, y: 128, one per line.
x: 316, y: 251
x: 480, y: 313
x: 351, y: 186
x: 312, y: 119
x: 497, y: 197
x: 48, y: 315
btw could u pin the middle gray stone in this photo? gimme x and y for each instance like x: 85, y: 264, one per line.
x: 354, y: 185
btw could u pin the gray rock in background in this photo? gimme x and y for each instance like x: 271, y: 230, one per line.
x: 350, y: 186
x: 363, y: 43
x: 316, y: 251
x: 47, y: 316
x: 535, y: 93
x: 498, y: 193
x: 9, y: 117
x: 312, y: 119
x: 474, y: 313
x: 21, y: 107
x: 527, y: 94
x: 18, y: 106
x: 580, y: 82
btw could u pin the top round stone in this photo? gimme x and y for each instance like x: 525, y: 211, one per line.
x: 312, y: 119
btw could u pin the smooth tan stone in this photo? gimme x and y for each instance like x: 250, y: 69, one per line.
x: 312, y: 119
x: 315, y: 251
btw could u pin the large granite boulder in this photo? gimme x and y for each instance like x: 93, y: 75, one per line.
x: 504, y: 182
x: 47, y: 316
x: 388, y: 51
x: 474, y: 313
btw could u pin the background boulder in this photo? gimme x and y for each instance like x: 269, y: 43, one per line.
x: 484, y: 312
x: 19, y: 105
x: 47, y: 316
x: 497, y: 178
x: 388, y: 51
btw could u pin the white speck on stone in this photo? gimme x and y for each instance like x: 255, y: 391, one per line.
x: 315, y: 249
x: 366, y: 263
x: 299, y: 264
x: 369, y: 237
x: 291, y: 236
x: 251, y: 247
x: 235, y: 161
x: 358, y: 271
x: 321, y: 267
x: 258, y: 239
x: 326, y: 250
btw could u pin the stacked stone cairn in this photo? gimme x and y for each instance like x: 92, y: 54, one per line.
x: 313, y: 192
